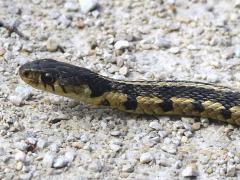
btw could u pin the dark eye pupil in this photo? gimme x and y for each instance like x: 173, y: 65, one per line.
x: 47, y: 78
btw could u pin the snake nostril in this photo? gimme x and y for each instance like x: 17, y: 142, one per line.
x: 26, y: 73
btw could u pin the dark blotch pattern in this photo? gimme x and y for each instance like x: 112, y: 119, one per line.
x: 197, y: 106
x: 166, y: 105
x: 226, y: 113
x: 131, y: 103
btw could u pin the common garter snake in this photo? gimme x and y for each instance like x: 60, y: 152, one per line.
x: 181, y: 98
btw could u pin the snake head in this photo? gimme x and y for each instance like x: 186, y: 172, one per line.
x: 56, y: 77
x: 36, y: 74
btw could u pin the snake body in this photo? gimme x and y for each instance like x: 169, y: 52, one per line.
x: 181, y: 98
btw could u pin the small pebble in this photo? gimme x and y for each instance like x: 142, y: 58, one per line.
x: 54, y: 14
x: 20, y: 156
x: 174, y: 50
x: 71, y: 6
x: 121, y: 44
x: 26, y: 176
x: 70, y: 155
x: 155, y: 125
x: 115, y: 133
x: 237, y: 52
x: 20, y: 94
x: 22, y: 60
x: 54, y: 147
x: 22, y: 146
x: 80, y: 24
x: 231, y: 170
x: 123, y: 70
x: 146, y: 157
x: 163, y: 134
x: 19, y: 166
x: 128, y: 168
x: 2, y: 51
x: 115, y: 147
x: 16, y: 100
x: 88, y: 5
x: 162, y: 42
x: 36, y: 1
x: 52, y: 44
x: 96, y: 166
x: 190, y: 171
x: 41, y: 143
x: 170, y: 148
x: 48, y: 160
x: 60, y: 162
x: 196, y: 126
x: 65, y: 22
x: 84, y: 138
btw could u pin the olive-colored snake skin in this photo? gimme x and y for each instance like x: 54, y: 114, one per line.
x: 181, y: 98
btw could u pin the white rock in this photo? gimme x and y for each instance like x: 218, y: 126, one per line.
x: 121, y: 44
x: 84, y: 138
x: 48, y: 160
x: 162, y: 134
x: 54, y: 14
x: 52, y: 44
x: 23, y: 91
x: 71, y: 6
x: 231, y: 170
x: 2, y: 51
x: 96, y: 166
x: 54, y: 147
x: 41, y: 143
x: 20, y: 94
x: 128, y: 168
x: 123, y: 70
x: 36, y: 1
x: 70, y: 155
x: 237, y: 52
x: 174, y: 50
x: 192, y: 47
x: 237, y: 4
x: 170, y: 148
x: 22, y: 146
x: 19, y: 166
x: 60, y: 162
x: 115, y: 133
x: 16, y: 100
x: 213, y: 78
x: 22, y: 60
x: 31, y: 140
x: 190, y: 171
x: 115, y: 147
x: 146, y: 157
x: 162, y: 42
x: 88, y: 5
x: 20, y: 156
x: 27, y: 176
x: 155, y: 125
x: 65, y: 22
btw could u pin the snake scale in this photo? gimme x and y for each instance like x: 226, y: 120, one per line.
x: 180, y: 98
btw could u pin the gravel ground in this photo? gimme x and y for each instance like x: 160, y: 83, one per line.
x: 43, y: 136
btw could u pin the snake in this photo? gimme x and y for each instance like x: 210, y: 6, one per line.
x: 161, y: 98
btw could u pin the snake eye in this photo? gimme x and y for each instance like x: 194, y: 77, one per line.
x: 48, y: 78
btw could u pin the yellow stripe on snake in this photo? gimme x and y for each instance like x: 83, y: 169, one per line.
x: 180, y: 98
